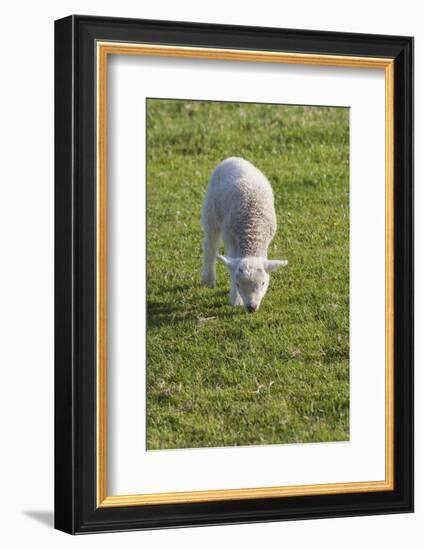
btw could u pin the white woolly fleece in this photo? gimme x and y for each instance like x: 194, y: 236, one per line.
x: 239, y: 203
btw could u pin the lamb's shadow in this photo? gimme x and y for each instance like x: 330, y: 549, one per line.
x: 218, y: 291
x: 188, y: 308
x: 174, y: 289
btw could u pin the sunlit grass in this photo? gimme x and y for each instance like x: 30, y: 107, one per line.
x: 216, y: 375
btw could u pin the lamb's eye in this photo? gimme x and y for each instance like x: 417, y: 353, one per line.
x: 263, y: 283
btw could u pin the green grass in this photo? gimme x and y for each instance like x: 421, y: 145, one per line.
x: 217, y: 376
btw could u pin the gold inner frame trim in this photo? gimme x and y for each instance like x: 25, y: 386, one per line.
x: 103, y: 50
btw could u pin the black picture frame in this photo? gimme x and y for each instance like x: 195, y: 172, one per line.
x: 76, y: 509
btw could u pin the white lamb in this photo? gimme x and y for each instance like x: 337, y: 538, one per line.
x: 239, y: 208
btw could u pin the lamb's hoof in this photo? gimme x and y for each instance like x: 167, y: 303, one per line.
x: 208, y: 282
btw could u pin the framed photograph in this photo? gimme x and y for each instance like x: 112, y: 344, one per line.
x: 234, y: 274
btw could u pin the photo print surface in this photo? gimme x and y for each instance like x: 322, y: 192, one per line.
x: 247, y: 282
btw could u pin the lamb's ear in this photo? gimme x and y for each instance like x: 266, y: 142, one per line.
x: 231, y: 263
x: 273, y: 265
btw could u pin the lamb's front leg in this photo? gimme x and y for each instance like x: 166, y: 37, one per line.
x: 210, y: 250
x: 235, y: 298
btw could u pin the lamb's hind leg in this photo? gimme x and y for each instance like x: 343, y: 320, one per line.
x: 210, y: 250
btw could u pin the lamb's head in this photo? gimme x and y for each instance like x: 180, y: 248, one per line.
x: 250, y: 277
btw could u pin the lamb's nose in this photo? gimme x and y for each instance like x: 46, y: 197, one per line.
x: 251, y: 308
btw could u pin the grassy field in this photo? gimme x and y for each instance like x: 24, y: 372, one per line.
x: 217, y: 376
